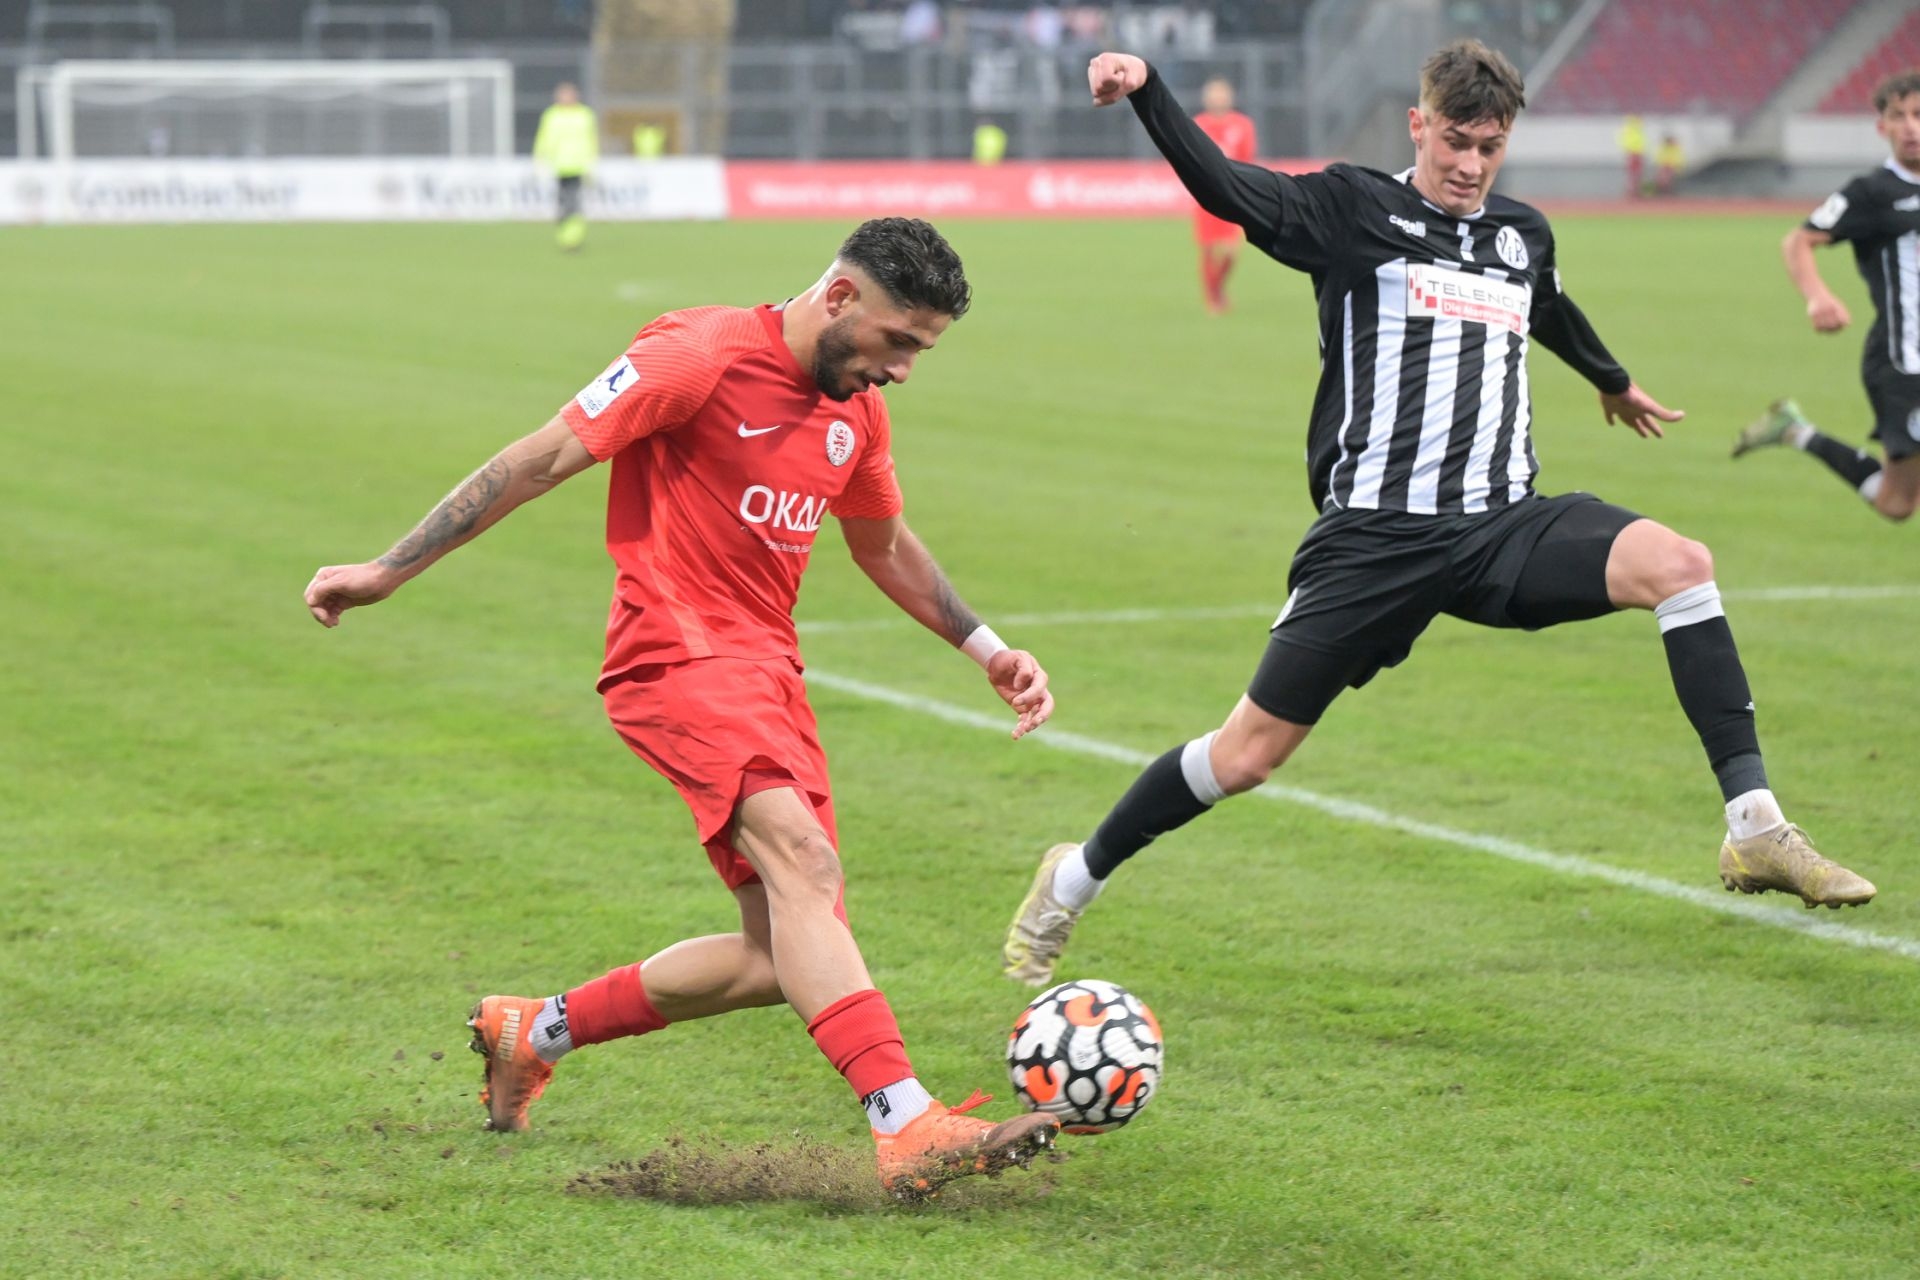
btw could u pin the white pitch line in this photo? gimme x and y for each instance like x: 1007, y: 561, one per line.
x: 1351, y: 811
x: 1896, y: 592
x: 1228, y: 612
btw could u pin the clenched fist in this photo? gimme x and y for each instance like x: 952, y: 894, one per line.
x: 1112, y: 76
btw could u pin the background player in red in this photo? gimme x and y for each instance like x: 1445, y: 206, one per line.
x: 732, y: 433
x: 1219, y: 239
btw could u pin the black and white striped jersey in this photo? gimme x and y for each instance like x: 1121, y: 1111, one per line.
x: 1879, y: 214
x: 1425, y: 318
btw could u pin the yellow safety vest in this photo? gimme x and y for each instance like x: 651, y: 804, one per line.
x: 569, y: 139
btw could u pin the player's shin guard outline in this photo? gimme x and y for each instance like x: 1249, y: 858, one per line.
x: 1712, y: 685
x: 1171, y: 792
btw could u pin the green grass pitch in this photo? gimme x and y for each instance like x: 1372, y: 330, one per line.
x: 252, y: 873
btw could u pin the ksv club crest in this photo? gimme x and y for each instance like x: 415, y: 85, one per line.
x: 840, y: 443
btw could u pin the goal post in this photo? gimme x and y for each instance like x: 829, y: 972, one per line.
x: 254, y: 109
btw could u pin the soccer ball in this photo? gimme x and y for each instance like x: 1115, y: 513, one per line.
x: 1088, y: 1052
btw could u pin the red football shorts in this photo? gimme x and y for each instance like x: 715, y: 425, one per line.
x: 720, y: 730
x: 1208, y: 229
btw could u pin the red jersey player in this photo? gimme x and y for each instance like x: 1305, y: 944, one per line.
x: 1219, y: 239
x: 732, y: 433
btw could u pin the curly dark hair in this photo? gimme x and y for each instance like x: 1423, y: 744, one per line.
x: 1467, y: 82
x: 912, y: 262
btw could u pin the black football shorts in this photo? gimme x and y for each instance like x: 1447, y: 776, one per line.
x: 1365, y: 584
x: 1896, y: 411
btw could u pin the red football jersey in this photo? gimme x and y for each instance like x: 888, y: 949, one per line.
x: 726, y: 457
x: 1231, y: 131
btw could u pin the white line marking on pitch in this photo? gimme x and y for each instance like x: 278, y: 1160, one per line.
x: 1351, y: 811
x: 1770, y: 595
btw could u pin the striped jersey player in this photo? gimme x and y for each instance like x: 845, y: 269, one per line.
x: 1878, y: 214
x: 732, y: 433
x: 1420, y: 458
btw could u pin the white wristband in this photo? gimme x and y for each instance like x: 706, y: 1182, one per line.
x: 983, y: 644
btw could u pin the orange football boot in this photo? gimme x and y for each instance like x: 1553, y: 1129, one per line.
x: 941, y: 1144
x: 514, y: 1075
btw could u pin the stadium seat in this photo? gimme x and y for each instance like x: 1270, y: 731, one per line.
x: 1713, y: 55
x: 1900, y: 51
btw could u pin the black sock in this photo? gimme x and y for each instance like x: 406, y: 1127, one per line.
x: 1853, y: 465
x: 1158, y: 801
x: 1713, y: 692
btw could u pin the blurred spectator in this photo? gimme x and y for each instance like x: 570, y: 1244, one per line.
x: 1085, y: 22
x: 1668, y: 161
x: 649, y: 141
x: 1633, y: 147
x: 921, y: 23
x: 1088, y: 25
x: 1045, y: 26
x: 989, y: 143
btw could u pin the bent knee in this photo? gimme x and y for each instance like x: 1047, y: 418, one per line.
x: 1244, y: 768
x: 1688, y: 564
x: 1898, y: 508
x: 1677, y: 565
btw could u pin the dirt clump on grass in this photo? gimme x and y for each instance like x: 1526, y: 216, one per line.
x: 713, y: 1172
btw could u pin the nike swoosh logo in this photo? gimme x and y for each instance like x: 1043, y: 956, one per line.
x: 745, y: 430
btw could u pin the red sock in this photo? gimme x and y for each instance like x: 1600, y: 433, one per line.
x: 860, y: 1038
x: 1210, y: 277
x: 611, y: 1007
x: 1220, y: 274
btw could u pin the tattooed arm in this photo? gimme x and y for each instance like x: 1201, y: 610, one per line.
x: 902, y: 567
x: 524, y: 469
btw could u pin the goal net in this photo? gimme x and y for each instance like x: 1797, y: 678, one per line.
x: 239, y: 110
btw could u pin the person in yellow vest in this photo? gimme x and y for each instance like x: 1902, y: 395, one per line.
x: 568, y: 143
x: 1633, y: 146
x: 649, y: 141
x: 1668, y: 161
x: 989, y: 143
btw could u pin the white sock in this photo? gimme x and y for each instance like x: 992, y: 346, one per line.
x: 552, y: 1038
x: 891, y: 1109
x: 1684, y: 608
x: 1753, y: 813
x: 1196, y: 766
x: 1870, y: 487
x: 1073, y: 884
x: 1798, y: 435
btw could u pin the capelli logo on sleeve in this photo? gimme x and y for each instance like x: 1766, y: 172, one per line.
x: 1829, y: 213
x: 596, y: 396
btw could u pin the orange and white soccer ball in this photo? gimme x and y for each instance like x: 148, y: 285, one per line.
x: 1088, y: 1052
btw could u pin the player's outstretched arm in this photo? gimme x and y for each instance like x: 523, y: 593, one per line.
x: 1825, y: 312
x: 902, y: 567
x: 524, y: 469
x: 1249, y: 194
